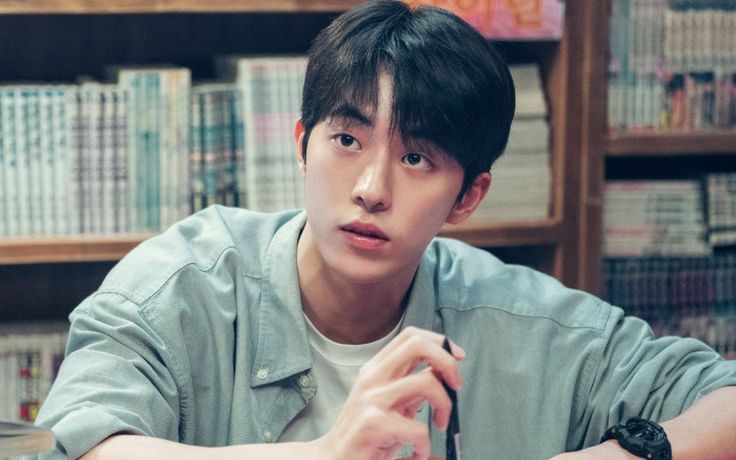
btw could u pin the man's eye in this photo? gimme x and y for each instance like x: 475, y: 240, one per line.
x: 417, y: 160
x: 346, y: 140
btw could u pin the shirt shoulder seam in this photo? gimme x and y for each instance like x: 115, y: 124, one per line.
x: 525, y: 315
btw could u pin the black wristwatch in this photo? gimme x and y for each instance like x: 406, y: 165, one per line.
x: 642, y: 438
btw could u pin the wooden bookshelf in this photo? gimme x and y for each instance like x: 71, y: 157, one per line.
x: 80, y: 37
x: 170, y: 6
x: 111, y: 248
x: 599, y: 145
x: 530, y: 233
x: 72, y: 249
x: 671, y: 143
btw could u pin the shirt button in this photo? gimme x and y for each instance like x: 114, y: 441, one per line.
x: 305, y: 381
x: 262, y: 374
x: 267, y: 436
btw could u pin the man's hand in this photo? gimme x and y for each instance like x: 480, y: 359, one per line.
x: 378, y: 416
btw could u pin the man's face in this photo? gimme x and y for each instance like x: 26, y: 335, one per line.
x: 374, y: 201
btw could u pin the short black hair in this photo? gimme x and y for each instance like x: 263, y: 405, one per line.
x: 450, y: 86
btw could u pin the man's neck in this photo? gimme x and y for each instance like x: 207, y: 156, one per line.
x: 352, y: 318
x: 349, y: 312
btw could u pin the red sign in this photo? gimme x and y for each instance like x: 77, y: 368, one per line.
x: 507, y: 19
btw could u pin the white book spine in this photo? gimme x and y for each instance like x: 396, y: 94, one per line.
x: 130, y: 82
x: 4, y: 214
x: 166, y: 160
x: 35, y: 161
x: 62, y: 167
x: 74, y: 122
x: 89, y: 192
x: 152, y: 174
x: 48, y: 159
x: 121, y: 150
x: 107, y: 163
x: 11, y: 161
x: 252, y: 168
x: 3, y: 365
x: 182, y: 149
x: 24, y: 160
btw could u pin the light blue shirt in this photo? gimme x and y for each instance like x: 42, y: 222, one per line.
x: 198, y: 336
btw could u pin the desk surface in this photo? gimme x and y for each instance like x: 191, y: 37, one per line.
x: 18, y: 438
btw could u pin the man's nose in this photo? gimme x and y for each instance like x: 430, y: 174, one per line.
x: 373, y: 188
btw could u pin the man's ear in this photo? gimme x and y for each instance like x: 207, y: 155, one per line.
x: 299, y: 141
x: 470, y: 200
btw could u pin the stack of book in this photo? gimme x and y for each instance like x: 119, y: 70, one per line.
x: 30, y: 356
x: 98, y: 149
x: 693, y: 296
x: 645, y: 218
x: 138, y: 153
x: 35, y: 161
x: 95, y: 158
x: 271, y: 104
x: 217, y: 161
x: 721, y: 205
x: 661, y: 266
x: 672, y: 64
x: 522, y: 177
x: 158, y: 144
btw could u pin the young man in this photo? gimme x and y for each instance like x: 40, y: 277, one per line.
x: 319, y: 334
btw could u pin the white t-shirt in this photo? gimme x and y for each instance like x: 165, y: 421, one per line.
x: 335, y: 369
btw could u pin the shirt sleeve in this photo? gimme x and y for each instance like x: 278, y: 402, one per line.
x: 116, y: 378
x: 654, y: 378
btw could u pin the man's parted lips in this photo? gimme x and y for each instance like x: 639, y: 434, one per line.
x: 362, y: 228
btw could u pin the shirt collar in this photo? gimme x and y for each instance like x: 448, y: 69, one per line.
x: 420, y: 309
x: 282, y: 348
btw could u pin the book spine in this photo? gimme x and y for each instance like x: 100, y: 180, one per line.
x: 48, y: 159
x: 196, y: 152
x: 152, y: 174
x: 167, y: 157
x: 130, y: 82
x: 35, y: 161
x: 253, y: 170
x: 227, y: 149
x: 20, y: 100
x: 30, y: 355
x: 209, y: 147
x: 61, y: 132
x: 107, y: 160
x: 75, y: 122
x: 183, y: 112
x: 97, y: 160
x: 238, y: 128
x: 121, y: 152
x: 88, y: 193
x: 3, y: 172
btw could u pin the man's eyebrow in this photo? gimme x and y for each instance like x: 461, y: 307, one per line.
x: 349, y: 115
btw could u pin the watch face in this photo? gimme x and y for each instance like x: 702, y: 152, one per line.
x: 645, y: 430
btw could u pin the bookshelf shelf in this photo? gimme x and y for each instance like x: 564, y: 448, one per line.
x: 507, y: 234
x: 658, y: 143
x: 67, y: 249
x: 112, y: 248
x: 170, y: 6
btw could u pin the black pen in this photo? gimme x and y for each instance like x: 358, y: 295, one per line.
x: 452, y: 444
